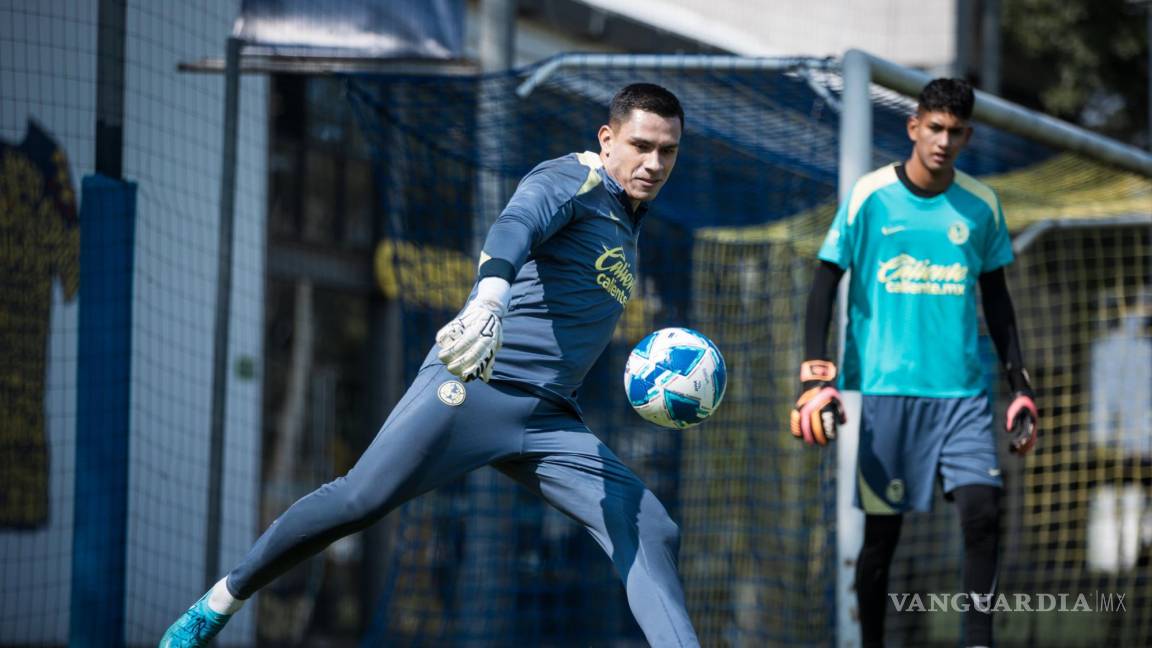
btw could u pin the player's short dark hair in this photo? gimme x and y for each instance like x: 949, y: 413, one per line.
x: 648, y: 97
x: 953, y: 96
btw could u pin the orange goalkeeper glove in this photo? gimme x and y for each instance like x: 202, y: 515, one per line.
x: 818, y: 409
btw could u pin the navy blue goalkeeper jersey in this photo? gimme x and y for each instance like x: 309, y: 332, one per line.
x: 571, y: 234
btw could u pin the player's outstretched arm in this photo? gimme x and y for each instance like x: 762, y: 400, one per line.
x: 1022, y: 416
x: 468, y: 343
x: 540, y: 207
x: 818, y: 408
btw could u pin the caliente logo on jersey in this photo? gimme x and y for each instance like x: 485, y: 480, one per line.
x: 615, y: 274
x: 905, y: 273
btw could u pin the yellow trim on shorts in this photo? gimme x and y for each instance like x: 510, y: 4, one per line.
x: 872, y: 503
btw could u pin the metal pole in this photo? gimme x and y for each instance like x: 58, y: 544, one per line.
x: 1034, y: 232
x: 855, y: 161
x: 497, y: 32
x: 965, y: 16
x: 223, y: 309
x: 990, y: 46
x: 1004, y: 114
x: 104, y: 345
x: 486, y: 559
x: 110, y: 89
x: 674, y: 61
x: 989, y: 108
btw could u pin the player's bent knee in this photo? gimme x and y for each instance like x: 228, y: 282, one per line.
x: 670, y: 532
x: 662, y: 530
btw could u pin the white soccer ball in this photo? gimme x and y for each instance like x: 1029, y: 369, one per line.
x: 675, y: 377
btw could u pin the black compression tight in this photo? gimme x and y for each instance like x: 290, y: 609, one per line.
x: 979, y: 508
x: 881, y: 533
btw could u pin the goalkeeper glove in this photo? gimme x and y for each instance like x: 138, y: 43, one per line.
x: 1021, y: 417
x: 1021, y: 423
x: 468, y: 344
x: 818, y: 409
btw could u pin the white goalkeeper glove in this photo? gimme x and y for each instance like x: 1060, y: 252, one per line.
x: 468, y: 344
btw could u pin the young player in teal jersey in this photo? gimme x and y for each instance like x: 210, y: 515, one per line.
x: 918, y: 238
x: 556, y: 271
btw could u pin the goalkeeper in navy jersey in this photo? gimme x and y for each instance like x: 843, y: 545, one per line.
x: 918, y: 238
x: 498, y: 388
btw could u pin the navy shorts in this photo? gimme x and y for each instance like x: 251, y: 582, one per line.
x: 908, y: 443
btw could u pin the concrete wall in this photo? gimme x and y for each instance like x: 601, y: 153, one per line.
x: 919, y: 33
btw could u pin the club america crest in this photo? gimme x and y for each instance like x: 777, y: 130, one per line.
x: 451, y: 393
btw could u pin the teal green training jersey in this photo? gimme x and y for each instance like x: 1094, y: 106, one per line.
x: 915, y: 264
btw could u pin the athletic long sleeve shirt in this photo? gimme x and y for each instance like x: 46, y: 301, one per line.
x: 915, y: 263
x: 570, y: 233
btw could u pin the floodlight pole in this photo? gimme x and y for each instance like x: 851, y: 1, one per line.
x: 223, y: 310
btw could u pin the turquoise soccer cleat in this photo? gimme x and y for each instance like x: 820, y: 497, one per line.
x: 196, y: 627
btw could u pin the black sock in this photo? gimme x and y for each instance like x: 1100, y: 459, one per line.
x: 979, y: 508
x: 881, y: 533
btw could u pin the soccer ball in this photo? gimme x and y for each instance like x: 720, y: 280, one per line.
x: 675, y: 377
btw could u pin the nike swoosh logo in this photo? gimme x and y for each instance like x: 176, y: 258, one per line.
x: 892, y: 230
x: 993, y: 472
x: 613, y: 216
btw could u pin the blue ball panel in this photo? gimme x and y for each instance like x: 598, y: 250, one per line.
x: 639, y: 390
x: 683, y: 360
x: 644, y: 347
x: 682, y: 409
